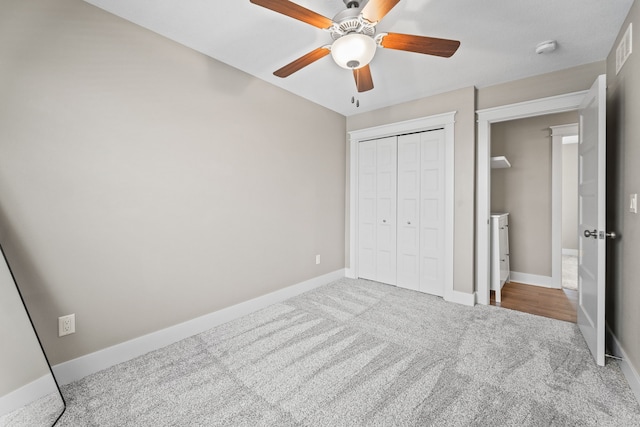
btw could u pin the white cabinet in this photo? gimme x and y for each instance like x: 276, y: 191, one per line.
x: 500, y: 268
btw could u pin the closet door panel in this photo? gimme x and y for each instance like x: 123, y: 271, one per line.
x: 367, y: 218
x: 432, y: 221
x: 386, y: 205
x: 409, y: 211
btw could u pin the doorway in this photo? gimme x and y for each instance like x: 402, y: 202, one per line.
x: 528, y: 185
x: 486, y: 118
x: 591, y: 105
x: 530, y: 191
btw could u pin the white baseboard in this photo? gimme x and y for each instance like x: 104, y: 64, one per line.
x: 572, y: 252
x: 27, y: 393
x: 350, y: 273
x: 533, y: 279
x: 629, y: 371
x: 461, y: 298
x: 80, y: 367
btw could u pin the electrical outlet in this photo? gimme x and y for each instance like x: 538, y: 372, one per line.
x: 66, y: 325
x: 317, y: 259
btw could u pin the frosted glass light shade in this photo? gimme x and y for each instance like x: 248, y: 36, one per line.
x: 353, y: 50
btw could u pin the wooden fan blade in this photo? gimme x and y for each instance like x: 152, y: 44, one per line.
x: 364, y: 82
x: 375, y: 10
x: 420, y: 44
x: 295, y: 11
x: 302, y: 62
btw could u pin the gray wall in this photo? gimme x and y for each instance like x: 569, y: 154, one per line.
x: 524, y: 189
x: 541, y: 86
x: 570, y: 196
x: 21, y: 360
x: 623, y: 158
x: 462, y: 101
x: 143, y: 184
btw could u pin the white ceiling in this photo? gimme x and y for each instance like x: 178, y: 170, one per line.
x: 498, y: 38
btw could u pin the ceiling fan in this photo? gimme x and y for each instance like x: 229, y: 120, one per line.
x: 355, y: 41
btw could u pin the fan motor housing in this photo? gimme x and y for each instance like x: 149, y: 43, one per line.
x: 350, y: 21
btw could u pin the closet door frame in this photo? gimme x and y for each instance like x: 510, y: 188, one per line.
x: 444, y: 121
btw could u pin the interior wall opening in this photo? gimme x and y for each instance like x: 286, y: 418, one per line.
x: 527, y: 188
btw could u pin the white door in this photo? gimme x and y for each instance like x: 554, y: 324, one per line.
x: 367, y: 210
x: 421, y: 212
x: 387, y: 171
x: 409, y: 211
x: 432, y: 212
x: 377, y: 170
x: 591, y: 213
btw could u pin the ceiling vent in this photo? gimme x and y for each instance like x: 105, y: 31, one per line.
x: 623, y: 51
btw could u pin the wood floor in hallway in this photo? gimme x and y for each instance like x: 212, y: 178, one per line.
x: 558, y: 304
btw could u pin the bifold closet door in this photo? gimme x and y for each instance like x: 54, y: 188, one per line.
x: 377, y: 192
x: 421, y: 207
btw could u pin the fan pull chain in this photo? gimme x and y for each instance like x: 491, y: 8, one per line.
x: 357, y: 101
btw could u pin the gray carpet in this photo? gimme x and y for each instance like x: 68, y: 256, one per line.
x: 42, y: 412
x: 361, y: 353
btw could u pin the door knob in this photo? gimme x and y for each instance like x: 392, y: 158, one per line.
x: 593, y: 233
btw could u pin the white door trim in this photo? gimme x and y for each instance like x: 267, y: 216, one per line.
x: 444, y: 121
x: 486, y: 117
x: 557, y: 135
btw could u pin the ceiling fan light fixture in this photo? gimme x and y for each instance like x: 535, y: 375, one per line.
x: 353, y: 50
